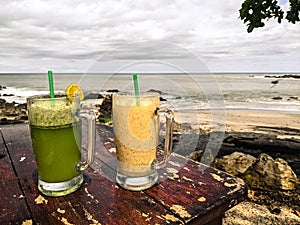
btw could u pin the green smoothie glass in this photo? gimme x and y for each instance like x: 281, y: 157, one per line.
x: 56, y: 133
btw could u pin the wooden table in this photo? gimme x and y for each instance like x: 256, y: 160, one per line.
x: 187, y: 193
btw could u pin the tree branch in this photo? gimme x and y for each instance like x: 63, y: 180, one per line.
x: 255, y: 12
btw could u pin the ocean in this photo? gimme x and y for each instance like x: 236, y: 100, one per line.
x: 183, y: 92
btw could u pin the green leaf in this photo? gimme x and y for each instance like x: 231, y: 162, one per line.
x: 104, y: 120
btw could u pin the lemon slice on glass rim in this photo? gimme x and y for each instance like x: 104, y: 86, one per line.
x: 74, y: 90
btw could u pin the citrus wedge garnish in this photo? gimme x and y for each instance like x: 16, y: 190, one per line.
x: 74, y: 90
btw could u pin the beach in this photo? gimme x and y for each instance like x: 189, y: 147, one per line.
x: 266, y: 122
x: 280, y: 124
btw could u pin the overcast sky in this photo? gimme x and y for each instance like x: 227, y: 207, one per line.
x: 108, y: 35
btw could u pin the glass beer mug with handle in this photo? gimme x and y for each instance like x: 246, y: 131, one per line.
x: 136, y: 128
x: 56, y: 134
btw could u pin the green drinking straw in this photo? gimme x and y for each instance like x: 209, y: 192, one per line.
x: 136, y: 88
x: 51, y: 87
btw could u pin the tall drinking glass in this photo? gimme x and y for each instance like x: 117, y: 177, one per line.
x: 56, y: 128
x: 136, y: 129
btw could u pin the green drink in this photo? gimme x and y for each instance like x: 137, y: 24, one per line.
x: 55, y: 164
x: 55, y: 128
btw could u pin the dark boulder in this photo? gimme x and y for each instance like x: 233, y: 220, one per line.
x: 93, y: 96
x: 112, y: 90
x: 106, y: 107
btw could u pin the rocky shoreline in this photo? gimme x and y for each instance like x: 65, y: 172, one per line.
x: 12, y: 113
x: 283, y: 76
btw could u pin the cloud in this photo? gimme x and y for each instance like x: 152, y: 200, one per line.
x: 283, y: 2
x: 72, y: 34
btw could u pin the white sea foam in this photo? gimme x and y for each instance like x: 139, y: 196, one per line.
x: 18, y: 95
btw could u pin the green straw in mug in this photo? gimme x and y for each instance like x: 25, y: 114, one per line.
x: 136, y: 88
x: 51, y: 87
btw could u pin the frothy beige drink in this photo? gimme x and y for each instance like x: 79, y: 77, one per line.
x: 136, y: 126
x: 136, y: 134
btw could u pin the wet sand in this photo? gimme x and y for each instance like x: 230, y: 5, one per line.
x: 284, y: 125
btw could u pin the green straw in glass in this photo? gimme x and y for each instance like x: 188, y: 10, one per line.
x: 136, y: 88
x: 51, y: 87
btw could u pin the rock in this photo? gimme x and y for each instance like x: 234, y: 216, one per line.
x: 284, y: 76
x: 155, y: 91
x: 274, y: 82
x: 8, y: 95
x: 293, y: 98
x: 275, y: 209
x: 262, y: 172
x: 196, y: 155
x: 12, y: 112
x: 269, y: 174
x: 2, y: 101
x: 181, y: 127
x: 112, y: 90
x: 162, y: 99
x: 93, y: 96
x: 159, y: 92
x: 277, y: 98
x: 236, y: 164
x: 106, y: 107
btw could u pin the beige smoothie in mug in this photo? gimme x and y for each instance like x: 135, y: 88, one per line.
x: 136, y: 129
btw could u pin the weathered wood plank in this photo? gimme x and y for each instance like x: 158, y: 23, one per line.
x: 6, y: 170
x: 109, y: 204
x: 12, y: 203
x: 195, y: 191
x: 13, y: 208
x: 2, y: 146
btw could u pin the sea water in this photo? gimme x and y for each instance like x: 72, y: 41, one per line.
x: 183, y: 92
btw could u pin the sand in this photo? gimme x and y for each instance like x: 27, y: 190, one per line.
x: 261, y: 121
x: 284, y: 125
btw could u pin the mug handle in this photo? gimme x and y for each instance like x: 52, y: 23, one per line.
x: 89, y: 115
x: 169, y: 115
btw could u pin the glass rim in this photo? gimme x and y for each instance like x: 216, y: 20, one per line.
x: 46, y: 97
x: 133, y: 95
